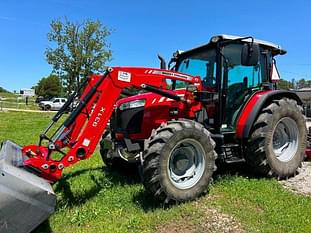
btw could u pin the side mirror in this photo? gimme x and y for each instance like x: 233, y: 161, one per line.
x: 250, y: 54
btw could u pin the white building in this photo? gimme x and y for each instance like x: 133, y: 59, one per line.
x: 27, y: 92
x: 305, y: 96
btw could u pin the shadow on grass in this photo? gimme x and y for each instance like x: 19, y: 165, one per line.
x: 69, y: 199
x: 235, y: 169
x: 123, y: 175
x: 110, y: 178
x: 127, y: 175
x: 43, y: 228
x: 147, y: 202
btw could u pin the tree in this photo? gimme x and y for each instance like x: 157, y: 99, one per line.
x: 49, y: 87
x: 2, y: 90
x: 81, y: 49
x: 301, y: 83
x: 285, y: 85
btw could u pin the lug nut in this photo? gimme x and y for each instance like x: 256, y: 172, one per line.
x: 60, y: 166
x: 70, y: 159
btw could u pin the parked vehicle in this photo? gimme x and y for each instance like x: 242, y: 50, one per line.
x: 41, y: 98
x: 53, y: 104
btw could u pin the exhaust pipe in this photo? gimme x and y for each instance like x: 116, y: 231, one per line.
x: 26, y: 200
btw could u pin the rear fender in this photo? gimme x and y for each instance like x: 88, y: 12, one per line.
x: 253, y: 107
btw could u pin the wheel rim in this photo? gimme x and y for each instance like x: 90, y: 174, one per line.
x: 285, y: 139
x: 186, y: 164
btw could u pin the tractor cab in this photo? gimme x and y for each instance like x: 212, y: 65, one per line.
x: 232, y: 69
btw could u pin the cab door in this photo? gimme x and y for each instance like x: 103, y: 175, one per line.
x: 239, y: 83
x: 56, y: 104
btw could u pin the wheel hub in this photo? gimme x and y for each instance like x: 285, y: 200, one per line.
x: 186, y: 164
x: 285, y: 139
x: 182, y: 160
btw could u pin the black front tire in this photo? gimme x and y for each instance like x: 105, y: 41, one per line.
x: 261, y: 153
x: 157, y: 175
x: 112, y: 160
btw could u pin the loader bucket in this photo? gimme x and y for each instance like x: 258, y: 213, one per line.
x: 26, y: 200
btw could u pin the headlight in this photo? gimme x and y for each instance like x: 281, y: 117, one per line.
x: 132, y: 104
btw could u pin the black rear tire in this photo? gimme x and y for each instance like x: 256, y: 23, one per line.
x: 159, y: 165
x: 263, y: 156
x: 47, y: 107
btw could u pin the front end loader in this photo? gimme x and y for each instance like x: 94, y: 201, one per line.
x: 26, y: 173
x: 215, y: 102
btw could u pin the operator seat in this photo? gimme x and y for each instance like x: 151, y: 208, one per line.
x: 235, y: 99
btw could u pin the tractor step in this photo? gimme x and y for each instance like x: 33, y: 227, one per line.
x: 230, y: 145
x: 26, y: 200
x: 234, y: 160
x: 232, y: 153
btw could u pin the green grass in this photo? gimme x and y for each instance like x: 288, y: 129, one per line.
x: 6, y: 94
x: 93, y: 199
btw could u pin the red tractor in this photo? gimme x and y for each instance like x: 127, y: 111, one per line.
x: 218, y: 101
x: 241, y: 117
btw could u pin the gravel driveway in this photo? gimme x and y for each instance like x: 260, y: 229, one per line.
x: 301, y: 183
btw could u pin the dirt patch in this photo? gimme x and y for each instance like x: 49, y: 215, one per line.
x: 211, y: 221
x: 301, y: 183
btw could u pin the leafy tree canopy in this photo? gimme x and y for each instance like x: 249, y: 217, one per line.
x: 80, y: 49
x: 285, y: 85
x: 49, y: 87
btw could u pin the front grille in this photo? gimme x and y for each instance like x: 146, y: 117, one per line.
x: 129, y: 120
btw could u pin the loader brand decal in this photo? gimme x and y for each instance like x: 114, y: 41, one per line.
x: 167, y: 73
x: 98, y: 117
x: 124, y: 76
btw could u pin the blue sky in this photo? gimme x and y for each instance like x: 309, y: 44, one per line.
x: 144, y: 28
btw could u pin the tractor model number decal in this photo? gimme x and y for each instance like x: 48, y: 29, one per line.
x: 124, y: 76
x: 98, y: 117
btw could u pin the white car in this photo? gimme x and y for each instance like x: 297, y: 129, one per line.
x: 53, y: 104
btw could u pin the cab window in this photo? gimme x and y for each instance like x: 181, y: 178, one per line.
x: 201, y: 64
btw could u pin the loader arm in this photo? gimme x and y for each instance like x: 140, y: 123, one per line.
x: 77, y: 138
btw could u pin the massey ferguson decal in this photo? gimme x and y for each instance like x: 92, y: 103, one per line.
x: 171, y: 74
